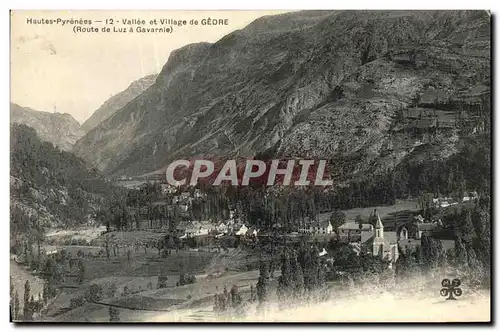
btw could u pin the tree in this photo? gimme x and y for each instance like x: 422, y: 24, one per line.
x: 162, y: 281
x: 12, y: 291
x: 432, y: 252
x: 93, y: 293
x: 359, y: 220
x: 298, y: 278
x: 112, y: 290
x: 27, y: 313
x: 114, y: 314
x: 286, y: 280
x: 81, y: 271
x: 17, y: 305
x: 460, y: 252
x: 235, y: 297
x: 337, y: 218
x: 263, y: 283
x: 45, y: 294
x: 253, y: 295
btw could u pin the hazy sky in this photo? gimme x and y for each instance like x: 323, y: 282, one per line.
x: 54, y: 68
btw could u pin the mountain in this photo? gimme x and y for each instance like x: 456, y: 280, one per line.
x: 367, y: 90
x: 51, y: 184
x: 60, y: 129
x: 118, y: 101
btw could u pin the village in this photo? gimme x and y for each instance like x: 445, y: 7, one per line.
x: 158, y: 256
x: 367, y: 232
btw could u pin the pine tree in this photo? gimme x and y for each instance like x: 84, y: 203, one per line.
x: 253, y: 295
x: 17, y: 306
x: 298, y: 278
x: 27, y: 308
x: 460, y: 253
x: 114, y: 314
x: 235, y: 297
x: 263, y: 284
x: 285, y: 281
x: 12, y: 292
x: 81, y: 271
x: 432, y: 252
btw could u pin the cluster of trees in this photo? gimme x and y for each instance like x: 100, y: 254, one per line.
x: 31, y: 305
x: 26, y: 236
x: 114, y: 314
x: 472, y: 253
x: 229, y: 304
x: 186, y: 279
x: 302, y: 277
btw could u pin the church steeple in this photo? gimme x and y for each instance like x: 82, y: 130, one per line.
x: 379, y: 227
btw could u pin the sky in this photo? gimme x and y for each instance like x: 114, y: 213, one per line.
x: 55, y: 69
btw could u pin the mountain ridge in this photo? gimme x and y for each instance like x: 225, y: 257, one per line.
x: 60, y: 129
x: 118, y: 101
x: 327, y: 85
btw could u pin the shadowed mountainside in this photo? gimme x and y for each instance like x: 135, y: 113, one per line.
x: 60, y: 129
x: 367, y: 90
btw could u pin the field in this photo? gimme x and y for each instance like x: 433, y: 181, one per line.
x: 136, y: 280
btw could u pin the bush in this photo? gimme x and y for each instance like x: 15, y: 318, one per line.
x: 185, y: 279
x: 93, y: 293
x: 112, y: 290
x: 162, y: 282
x: 77, y: 302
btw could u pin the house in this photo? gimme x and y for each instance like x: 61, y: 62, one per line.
x: 414, y: 230
x: 412, y: 244
x: 252, y: 231
x: 470, y: 196
x: 197, y: 228
x: 167, y: 189
x: 380, y: 244
x: 351, y: 232
x: 242, y: 230
x: 444, y: 202
x: 222, y: 228
x: 199, y: 194
x: 318, y: 227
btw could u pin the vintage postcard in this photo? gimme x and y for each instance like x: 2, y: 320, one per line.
x: 250, y: 166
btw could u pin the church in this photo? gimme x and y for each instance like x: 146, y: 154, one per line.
x: 383, y: 244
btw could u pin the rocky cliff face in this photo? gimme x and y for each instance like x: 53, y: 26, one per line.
x: 60, y: 129
x: 366, y: 90
x: 118, y: 101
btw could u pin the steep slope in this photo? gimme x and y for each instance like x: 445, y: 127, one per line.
x: 118, y: 101
x: 53, y: 185
x: 338, y: 85
x: 60, y: 129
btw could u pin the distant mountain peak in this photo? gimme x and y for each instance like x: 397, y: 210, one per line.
x: 60, y: 129
x: 117, y: 101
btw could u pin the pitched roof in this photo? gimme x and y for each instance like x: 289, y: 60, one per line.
x: 426, y: 226
x: 355, y: 226
x: 392, y: 237
x: 380, y: 240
